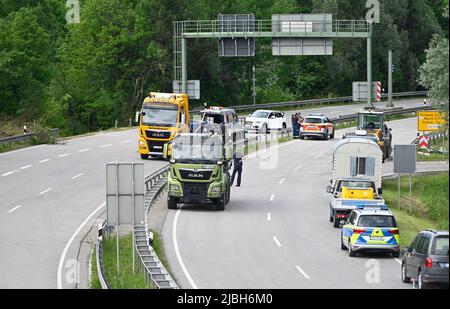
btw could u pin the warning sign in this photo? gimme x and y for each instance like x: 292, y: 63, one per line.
x: 430, y: 121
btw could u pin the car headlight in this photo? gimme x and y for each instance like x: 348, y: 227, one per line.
x: 174, y: 188
x: 215, y: 190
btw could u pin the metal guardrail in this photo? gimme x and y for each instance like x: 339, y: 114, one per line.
x: 23, y: 137
x: 99, y: 258
x: 313, y: 101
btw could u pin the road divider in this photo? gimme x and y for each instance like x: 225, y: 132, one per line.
x: 25, y: 167
x: 45, y: 160
x: 77, y: 176
x: 64, y: 155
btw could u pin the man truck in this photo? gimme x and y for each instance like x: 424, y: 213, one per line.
x: 162, y: 117
x: 357, y: 176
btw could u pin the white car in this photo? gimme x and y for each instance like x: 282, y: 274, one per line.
x: 264, y: 120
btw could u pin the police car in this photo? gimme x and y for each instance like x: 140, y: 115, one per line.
x: 371, y: 229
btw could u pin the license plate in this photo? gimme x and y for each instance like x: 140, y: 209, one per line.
x: 157, y: 147
x: 377, y: 238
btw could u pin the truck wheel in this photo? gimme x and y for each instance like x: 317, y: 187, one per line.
x: 172, y: 203
x: 220, y: 204
x: 337, y: 223
x: 144, y: 157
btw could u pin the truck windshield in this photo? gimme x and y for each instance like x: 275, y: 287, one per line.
x: 197, y: 149
x: 376, y: 221
x: 370, y: 122
x: 160, y: 115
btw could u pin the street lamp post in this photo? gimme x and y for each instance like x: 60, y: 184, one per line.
x: 254, y: 85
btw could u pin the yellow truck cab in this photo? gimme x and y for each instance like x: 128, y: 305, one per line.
x: 162, y: 117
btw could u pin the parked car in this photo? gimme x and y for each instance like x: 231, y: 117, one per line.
x: 266, y: 120
x: 426, y: 259
x: 317, y: 125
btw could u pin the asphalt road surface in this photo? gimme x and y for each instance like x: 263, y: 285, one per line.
x: 50, y: 195
x: 275, y: 232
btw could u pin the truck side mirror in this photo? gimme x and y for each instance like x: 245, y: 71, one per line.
x: 380, y: 191
x: 329, y: 189
x: 136, y: 119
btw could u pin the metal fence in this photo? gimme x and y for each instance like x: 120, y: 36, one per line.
x: 23, y: 137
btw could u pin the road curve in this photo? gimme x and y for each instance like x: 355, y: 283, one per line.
x: 275, y: 232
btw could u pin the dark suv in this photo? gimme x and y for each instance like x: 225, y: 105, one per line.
x: 426, y: 260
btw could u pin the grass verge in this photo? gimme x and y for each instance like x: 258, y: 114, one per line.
x: 423, y: 155
x: 94, y: 282
x: 125, y: 279
x: 430, y: 204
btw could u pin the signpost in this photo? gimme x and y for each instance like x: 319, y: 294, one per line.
x: 405, y: 158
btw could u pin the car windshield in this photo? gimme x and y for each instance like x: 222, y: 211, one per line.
x: 197, y: 149
x: 160, y: 115
x: 260, y: 114
x: 440, y: 246
x: 376, y: 221
x: 213, y: 118
x: 313, y: 120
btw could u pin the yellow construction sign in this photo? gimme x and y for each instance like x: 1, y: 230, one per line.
x: 430, y: 121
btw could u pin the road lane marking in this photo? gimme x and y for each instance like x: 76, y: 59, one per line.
x: 298, y: 167
x: 272, y: 197
x: 46, y: 191
x: 77, y: 176
x: 84, y: 150
x: 7, y: 174
x: 281, y: 181
x: 66, y: 248
x: 127, y: 141
x: 302, y: 272
x: 45, y: 160
x: 104, y: 146
x: 398, y: 261
x: 177, y: 251
x: 275, y: 239
x: 64, y: 155
x: 15, y: 208
x: 25, y: 167
x: 269, y: 216
x: 318, y: 156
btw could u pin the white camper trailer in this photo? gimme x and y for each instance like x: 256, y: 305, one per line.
x: 357, y: 175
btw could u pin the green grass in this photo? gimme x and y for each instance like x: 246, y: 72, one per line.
x: 436, y: 144
x: 159, y: 250
x: 430, y: 204
x: 95, y: 281
x: 14, y: 146
x: 125, y: 279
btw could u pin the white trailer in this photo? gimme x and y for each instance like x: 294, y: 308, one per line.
x: 357, y: 176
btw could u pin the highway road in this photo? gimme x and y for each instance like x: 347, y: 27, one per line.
x: 275, y: 232
x: 50, y: 195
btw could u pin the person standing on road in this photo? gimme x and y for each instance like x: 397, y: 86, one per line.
x: 238, y: 157
x: 295, y: 126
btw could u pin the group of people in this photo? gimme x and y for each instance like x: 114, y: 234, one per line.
x: 297, y: 121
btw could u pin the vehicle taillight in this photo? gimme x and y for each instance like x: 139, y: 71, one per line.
x: 394, y: 232
x: 428, y: 263
x: 359, y: 231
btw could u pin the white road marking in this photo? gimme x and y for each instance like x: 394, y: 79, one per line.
x: 318, y: 156
x: 298, y: 167
x: 84, y: 150
x: 66, y: 248
x: 7, y: 174
x: 77, y: 176
x: 46, y: 191
x: 275, y: 239
x: 177, y: 251
x: 269, y: 216
x: 127, y: 141
x: 272, y: 197
x: 302, y: 272
x: 64, y: 155
x: 104, y: 146
x: 15, y: 208
x: 398, y: 261
x: 45, y: 160
x: 25, y: 167
x: 281, y: 181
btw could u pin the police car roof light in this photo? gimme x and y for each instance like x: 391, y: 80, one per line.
x: 381, y: 207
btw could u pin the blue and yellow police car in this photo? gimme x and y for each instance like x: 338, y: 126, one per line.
x: 371, y: 228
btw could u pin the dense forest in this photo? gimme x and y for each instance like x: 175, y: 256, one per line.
x: 84, y: 76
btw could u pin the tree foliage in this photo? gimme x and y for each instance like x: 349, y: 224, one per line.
x: 85, y: 76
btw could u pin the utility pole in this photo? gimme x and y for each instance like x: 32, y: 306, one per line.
x: 369, y: 66
x: 390, y: 71
x: 254, y: 85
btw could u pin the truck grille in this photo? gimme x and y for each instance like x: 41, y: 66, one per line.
x: 195, y: 175
x: 156, y: 146
x: 195, y: 192
x: 158, y: 134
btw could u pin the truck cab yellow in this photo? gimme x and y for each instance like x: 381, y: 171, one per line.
x: 162, y: 117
